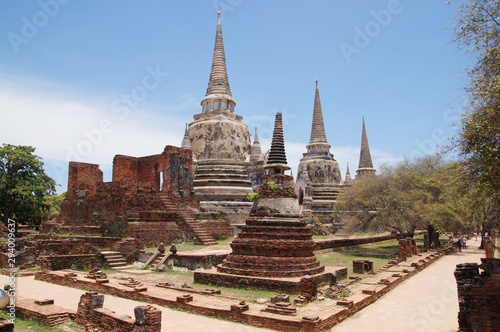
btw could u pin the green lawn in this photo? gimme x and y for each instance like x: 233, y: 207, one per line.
x: 380, y: 254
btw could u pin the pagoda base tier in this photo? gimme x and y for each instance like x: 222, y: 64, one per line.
x: 235, y: 211
x: 283, y: 285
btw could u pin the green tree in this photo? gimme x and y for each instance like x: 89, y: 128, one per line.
x: 414, y: 194
x: 477, y: 32
x: 53, y: 203
x: 23, y: 184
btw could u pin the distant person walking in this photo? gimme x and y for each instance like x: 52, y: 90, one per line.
x: 475, y: 236
x: 464, y: 242
x: 459, y: 244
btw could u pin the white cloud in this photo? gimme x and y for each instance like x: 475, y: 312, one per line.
x: 66, y: 125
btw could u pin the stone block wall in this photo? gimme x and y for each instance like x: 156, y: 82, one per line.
x: 479, y: 295
x: 90, y: 313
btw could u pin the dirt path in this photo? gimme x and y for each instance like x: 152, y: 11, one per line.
x: 427, y: 301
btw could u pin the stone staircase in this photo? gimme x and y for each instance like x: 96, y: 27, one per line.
x: 115, y: 260
x: 322, y: 227
x: 154, y: 263
x: 160, y: 261
x: 202, y: 236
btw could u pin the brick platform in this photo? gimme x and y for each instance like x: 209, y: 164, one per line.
x: 286, y: 285
x: 44, y: 311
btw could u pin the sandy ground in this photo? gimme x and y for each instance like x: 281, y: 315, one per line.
x: 427, y: 301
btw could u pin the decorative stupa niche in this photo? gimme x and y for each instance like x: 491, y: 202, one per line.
x: 318, y: 177
x: 275, y: 242
x: 220, y: 142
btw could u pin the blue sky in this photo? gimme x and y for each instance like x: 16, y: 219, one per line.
x: 86, y: 80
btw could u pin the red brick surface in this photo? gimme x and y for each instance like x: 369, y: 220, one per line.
x: 479, y: 296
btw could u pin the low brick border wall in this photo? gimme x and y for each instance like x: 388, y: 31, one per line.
x: 338, y: 243
x: 281, y: 323
x: 352, y: 242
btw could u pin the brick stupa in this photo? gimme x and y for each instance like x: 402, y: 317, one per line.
x: 275, y: 249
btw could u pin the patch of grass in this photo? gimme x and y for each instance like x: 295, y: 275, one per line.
x: 177, y: 272
x: 380, y: 254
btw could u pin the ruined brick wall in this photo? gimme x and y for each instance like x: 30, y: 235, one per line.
x: 178, y: 171
x: 83, y: 180
x: 173, y: 168
x: 114, y: 199
x: 407, y: 248
x: 75, y: 246
x: 479, y: 295
x: 152, y: 233
x: 110, y: 200
x: 83, y: 177
x: 80, y: 262
x: 91, y: 313
x: 148, y: 170
x: 107, y: 206
x: 218, y: 228
x: 102, y: 242
x: 124, y: 167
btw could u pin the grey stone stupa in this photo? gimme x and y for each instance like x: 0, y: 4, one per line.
x: 318, y: 176
x: 221, y: 145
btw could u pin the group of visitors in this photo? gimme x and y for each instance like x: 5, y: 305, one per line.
x: 462, y: 243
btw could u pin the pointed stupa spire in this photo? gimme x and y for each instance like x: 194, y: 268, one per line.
x: 365, y: 158
x: 318, y: 140
x: 186, y: 143
x: 218, y: 83
x: 318, y: 134
x: 218, y: 96
x: 256, y: 148
x: 277, y: 157
x: 348, y: 178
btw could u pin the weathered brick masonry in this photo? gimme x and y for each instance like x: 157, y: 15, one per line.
x: 138, y: 186
x: 479, y: 295
x: 90, y: 312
